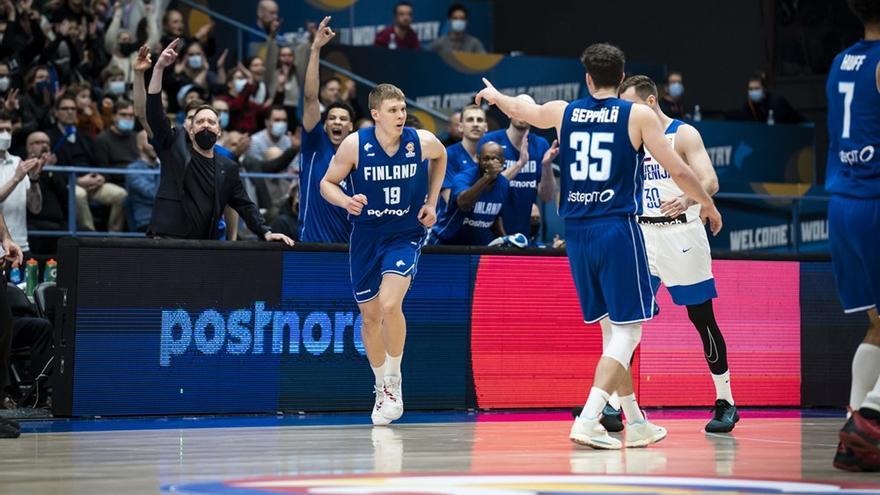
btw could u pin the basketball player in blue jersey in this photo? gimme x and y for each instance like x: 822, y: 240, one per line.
x: 393, y: 201
x: 463, y: 154
x: 678, y: 249
x: 473, y: 214
x: 319, y: 221
x: 601, y: 146
x: 853, y: 179
x: 534, y: 180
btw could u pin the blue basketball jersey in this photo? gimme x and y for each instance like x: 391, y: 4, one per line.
x: 319, y: 221
x: 396, y: 186
x: 853, y: 122
x: 474, y: 227
x: 601, y: 172
x: 457, y: 159
x: 517, y: 211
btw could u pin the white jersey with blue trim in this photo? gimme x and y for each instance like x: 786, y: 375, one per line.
x: 659, y: 185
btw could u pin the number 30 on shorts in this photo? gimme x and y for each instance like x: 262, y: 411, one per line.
x: 588, y: 147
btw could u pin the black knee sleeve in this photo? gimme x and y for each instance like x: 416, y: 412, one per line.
x: 714, y: 348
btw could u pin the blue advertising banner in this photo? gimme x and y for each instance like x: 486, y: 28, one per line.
x: 357, y: 22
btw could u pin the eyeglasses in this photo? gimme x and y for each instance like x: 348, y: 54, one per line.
x: 66, y: 109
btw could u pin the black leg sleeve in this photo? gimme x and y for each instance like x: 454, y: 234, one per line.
x: 714, y: 348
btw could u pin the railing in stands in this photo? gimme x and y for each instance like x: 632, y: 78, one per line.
x: 72, y: 172
x: 240, y: 27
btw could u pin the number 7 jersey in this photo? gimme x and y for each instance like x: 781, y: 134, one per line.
x: 854, y: 122
x: 601, y: 172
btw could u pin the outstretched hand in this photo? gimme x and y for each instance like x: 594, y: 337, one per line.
x: 168, y: 55
x: 144, y: 59
x: 323, y: 34
x: 489, y: 93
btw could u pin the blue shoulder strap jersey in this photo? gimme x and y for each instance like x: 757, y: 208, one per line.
x: 853, y: 123
x: 457, y: 159
x: 396, y: 186
x: 319, y: 221
x: 601, y: 173
x: 474, y: 227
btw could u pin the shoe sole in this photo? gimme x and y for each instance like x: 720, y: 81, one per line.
x: 587, y: 442
x: 392, y: 417
x: 644, y: 443
x: 380, y: 420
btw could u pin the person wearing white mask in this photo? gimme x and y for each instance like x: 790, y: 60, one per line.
x: 19, y: 188
x: 5, y: 80
x: 457, y: 40
x: 672, y: 99
x: 274, y: 135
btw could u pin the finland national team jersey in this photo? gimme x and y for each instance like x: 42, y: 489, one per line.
x: 457, y: 159
x: 659, y: 186
x: 396, y: 186
x: 601, y: 172
x: 854, y: 122
x: 319, y: 221
x: 471, y: 228
x: 517, y: 211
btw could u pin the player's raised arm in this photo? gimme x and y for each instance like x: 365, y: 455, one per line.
x: 647, y: 127
x: 311, y: 107
x: 433, y: 150
x: 546, y: 116
x: 341, y: 165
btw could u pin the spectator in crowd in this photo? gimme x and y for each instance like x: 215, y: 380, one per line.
x: 37, y: 101
x: 333, y: 90
x: 172, y: 27
x: 363, y: 123
x: 24, y: 39
x: 287, y: 221
x: 52, y: 214
x: 453, y: 131
x: 196, y: 183
x: 267, y: 13
x: 120, y: 37
x: 275, y: 134
x: 457, y: 39
x: 142, y: 187
x: 73, y: 148
x: 19, y: 189
x: 89, y: 119
x: 287, y: 90
x: 192, y: 70
x: 114, y: 88
x: 116, y: 147
x: 672, y: 100
x: 473, y: 213
x: 760, y: 102
x: 5, y: 81
x: 400, y: 33
x: 243, y: 111
x: 222, y: 108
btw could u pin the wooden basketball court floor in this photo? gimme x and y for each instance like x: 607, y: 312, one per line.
x: 463, y: 453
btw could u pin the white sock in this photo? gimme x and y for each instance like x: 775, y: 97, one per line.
x: 379, y: 374
x: 595, y: 403
x: 865, y: 370
x: 392, y: 365
x: 722, y: 387
x: 614, y: 401
x: 631, y: 409
x: 872, y: 400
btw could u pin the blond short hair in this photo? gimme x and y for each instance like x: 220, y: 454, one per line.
x: 384, y: 92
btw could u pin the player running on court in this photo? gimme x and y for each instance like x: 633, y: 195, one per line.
x: 601, y: 141
x: 393, y: 204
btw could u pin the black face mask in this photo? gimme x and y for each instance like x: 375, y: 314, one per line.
x: 205, y: 139
x: 127, y: 49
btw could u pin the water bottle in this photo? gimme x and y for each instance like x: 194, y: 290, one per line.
x: 50, y: 271
x: 31, y: 276
x: 771, y: 120
x: 392, y: 43
x: 698, y: 116
x: 15, y: 275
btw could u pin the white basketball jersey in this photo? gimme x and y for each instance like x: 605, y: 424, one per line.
x: 659, y: 186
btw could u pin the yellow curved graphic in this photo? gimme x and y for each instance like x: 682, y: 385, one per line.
x: 429, y: 123
x: 331, y: 4
x: 471, y: 63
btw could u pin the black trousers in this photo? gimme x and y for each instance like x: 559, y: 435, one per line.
x: 5, y: 336
x: 36, y: 334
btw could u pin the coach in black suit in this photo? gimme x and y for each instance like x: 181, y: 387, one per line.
x: 196, y: 184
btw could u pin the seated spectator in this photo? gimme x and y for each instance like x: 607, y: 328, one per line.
x: 223, y: 109
x: 172, y: 28
x: 52, y: 214
x: 400, y: 33
x: 287, y: 90
x: 19, y: 189
x: 117, y: 147
x: 267, y: 13
x: 672, y: 100
x: 457, y: 39
x: 192, y: 69
x: 89, y: 120
x: 275, y: 134
x: 760, y: 101
x: 142, y: 187
x: 473, y: 213
x: 243, y: 111
x: 114, y: 88
x: 37, y: 101
x: 24, y: 40
x: 32, y: 332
